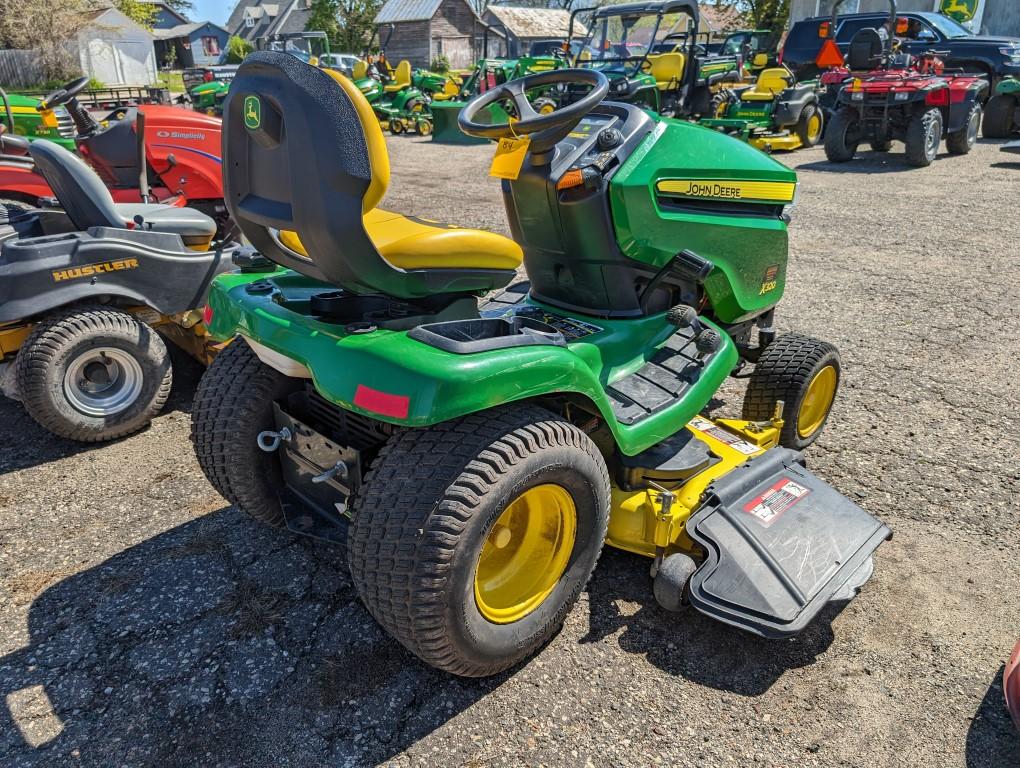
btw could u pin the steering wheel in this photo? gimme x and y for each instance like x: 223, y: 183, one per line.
x: 551, y: 127
x: 65, y: 94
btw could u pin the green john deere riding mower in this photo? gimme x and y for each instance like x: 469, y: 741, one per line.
x: 488, y: 74
x: 775, y: 113
x: 1002, y: 112
x: 475, y: 455
x: 31, y: 118
x: 651, y: 58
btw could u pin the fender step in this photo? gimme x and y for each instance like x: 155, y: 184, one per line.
x: 780, y: 545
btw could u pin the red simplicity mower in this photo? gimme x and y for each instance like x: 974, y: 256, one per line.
x: 149, y: 153
x: 888, y: 95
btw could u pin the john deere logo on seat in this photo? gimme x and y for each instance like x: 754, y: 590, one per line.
x: 252, y: 112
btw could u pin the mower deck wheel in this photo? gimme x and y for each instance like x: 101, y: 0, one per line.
x: 233, y: 403
x: 810, y: 125
x: 924, y: 134
x: 802, y: 372
x: 960, y: 142
x: 1001, y: 116
x: 843, y: 136
x: 670, y: 583
x: 93, y: 373
x: 472, y: 539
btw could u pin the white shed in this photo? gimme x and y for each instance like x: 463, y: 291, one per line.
x: 115, y: 50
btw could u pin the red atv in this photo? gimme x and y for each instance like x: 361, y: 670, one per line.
x: 181, y: 150
x: 890, y: 95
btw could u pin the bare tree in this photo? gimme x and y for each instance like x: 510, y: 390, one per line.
x: 46, y: 26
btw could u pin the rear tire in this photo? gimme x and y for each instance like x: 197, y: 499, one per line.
x: 234, y: 402
x: 842, y: 137
x: 430, y: 517
x: 93, y: 374
x: 810, y: 125
x: 960, y: 142
x: 802, y: 372
x: 1000, y: 116
x: 924, y: 134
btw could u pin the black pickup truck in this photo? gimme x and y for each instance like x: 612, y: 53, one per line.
x: 993, y: 57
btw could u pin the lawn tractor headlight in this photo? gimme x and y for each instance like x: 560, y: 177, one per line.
x: 901, y: 96
x: 620, y: 86
x: 857, y: 96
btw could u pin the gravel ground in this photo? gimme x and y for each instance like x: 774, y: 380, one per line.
x: 143, y: 621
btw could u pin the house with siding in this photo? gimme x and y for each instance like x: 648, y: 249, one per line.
x: 195, y: 44
x: 420, y: 30
x: 254, y: 20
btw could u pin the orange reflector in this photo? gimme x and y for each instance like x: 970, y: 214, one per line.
x: 572, y: 178
x: 902, y: 25
x: 830, y: 55
x: 823, y: 28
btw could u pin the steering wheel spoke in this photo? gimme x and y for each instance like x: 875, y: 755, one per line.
x: 551, y: 125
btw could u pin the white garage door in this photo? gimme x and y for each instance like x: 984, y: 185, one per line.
x: 120, y: 62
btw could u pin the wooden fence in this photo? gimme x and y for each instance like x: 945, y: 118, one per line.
x: 19, y: 69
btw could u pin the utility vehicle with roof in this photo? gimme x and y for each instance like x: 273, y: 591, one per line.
x: 475, y: 453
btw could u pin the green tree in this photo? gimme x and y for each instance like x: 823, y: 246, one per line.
x: 324, y: 17
x: 139, y: 12
x: 237, y: 49
x: 357, y: 19
x: 764, y: 14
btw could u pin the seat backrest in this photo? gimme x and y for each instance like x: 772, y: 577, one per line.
x: 78, y: 189
x: 776, y: 80
x: 865, y: 50
x: 402, y: 75
x: 668, y: 67
x: 303, y: 151
x: 359, y: 70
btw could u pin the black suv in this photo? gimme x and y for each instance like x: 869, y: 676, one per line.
x: 994, y: 57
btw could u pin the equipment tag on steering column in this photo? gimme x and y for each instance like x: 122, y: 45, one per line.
x: 509, y: 158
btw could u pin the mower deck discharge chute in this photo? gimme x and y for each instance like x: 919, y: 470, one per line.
x: 475, y: 457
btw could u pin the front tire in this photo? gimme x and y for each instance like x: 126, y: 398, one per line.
x: 960, y: 142
x: 810, y: 125
x: 843, y: 136
x: 1000, y: 116
x: 924, y: 134
x: 93, y: 374
x: 233, y: 403
x: 471, y: 540
x: 802, y: 372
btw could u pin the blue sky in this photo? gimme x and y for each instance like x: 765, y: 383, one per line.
x: 215, y: 11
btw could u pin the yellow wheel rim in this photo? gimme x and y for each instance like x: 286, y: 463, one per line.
x: 817, y: 402
x: 814, y: 126
x: 525, y: 553
x: 547, y: 109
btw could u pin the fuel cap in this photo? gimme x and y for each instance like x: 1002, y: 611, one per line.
x: 609, y: 138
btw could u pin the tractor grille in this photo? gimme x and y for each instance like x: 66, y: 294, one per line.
x: 65, y: 125
x: 351, y: 429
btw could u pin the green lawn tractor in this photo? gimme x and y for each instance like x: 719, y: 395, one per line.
x: 651, y: 59
x: 1002, y: 112
x: 475, y: 455
x: 398, y: 105
x: 207, y: 87
x: 28, y: 117
x: 758, y: 49
x: 776, y: 113
x: 489, y: 73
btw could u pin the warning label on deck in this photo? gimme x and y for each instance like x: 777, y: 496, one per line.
x: 706, y: 427
x: 776, y: 500
x: 570, y: 327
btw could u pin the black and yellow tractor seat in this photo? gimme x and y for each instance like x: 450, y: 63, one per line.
x: 88, y: 203
x: 305, y: 167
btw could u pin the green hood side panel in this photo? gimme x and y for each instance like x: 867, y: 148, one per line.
x: 442, y: 385
x: 29, y: 123
x: 745, y: 249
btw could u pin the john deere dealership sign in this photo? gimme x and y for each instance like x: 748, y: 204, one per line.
x: 964, y: 11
